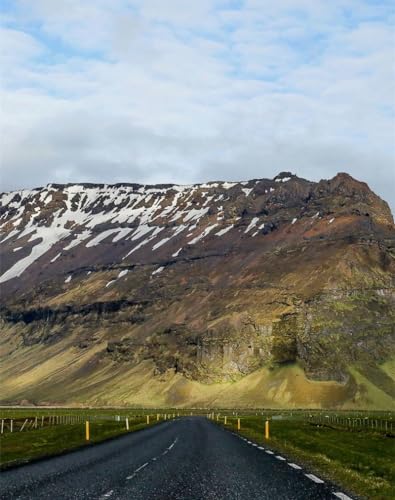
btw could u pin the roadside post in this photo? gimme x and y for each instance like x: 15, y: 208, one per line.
x: 147, y: 419
x: 127, y: 423
x: 225, y: 420
x: 87, y: 435
x: 238, y: 424
x: 267, y: 433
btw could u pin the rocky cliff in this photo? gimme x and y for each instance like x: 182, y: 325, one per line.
x: 266, y: 292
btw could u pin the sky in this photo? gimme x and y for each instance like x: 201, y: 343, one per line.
x: 155, y: 91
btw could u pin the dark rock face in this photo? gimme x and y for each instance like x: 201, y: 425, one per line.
x: 211, y: 281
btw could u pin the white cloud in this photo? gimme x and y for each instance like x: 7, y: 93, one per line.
x: 152, y: 91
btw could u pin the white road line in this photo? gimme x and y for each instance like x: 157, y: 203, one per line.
x: 141, y: 467
x: 279, y: 457
x: 341, y: 495
x: 137, y: 470
x: 108, y: 494
x: 249, y: 442
x: 314, y: 478
x: 294, y: 466
x: 270, y: 452
x: 173, y: 443
x: 260, y: 448
x: 154, y: 459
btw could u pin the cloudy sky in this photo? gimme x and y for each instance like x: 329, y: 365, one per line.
x: 186, y: 91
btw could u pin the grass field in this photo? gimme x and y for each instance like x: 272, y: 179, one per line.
x: 359, y: 459
x: 55, y: 434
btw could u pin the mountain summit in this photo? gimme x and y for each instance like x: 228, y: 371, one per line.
x: 258, y: 293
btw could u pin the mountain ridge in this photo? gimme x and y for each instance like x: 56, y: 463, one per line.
x: 201, y: 286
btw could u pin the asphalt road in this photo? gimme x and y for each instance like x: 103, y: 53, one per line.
x: 188, y: 458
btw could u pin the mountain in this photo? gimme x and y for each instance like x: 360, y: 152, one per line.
x: 276, y: 293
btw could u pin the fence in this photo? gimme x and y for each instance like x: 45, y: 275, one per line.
x: 18, y: 424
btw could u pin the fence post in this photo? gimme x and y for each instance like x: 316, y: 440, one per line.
x: 267, y: 431
x: 24, y: 423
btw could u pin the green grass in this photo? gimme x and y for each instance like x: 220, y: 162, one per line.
x: 362, y: 461
x: 52, y: 439
x: 20, y: 447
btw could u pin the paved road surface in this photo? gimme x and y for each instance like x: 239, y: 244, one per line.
x: 189, y: 458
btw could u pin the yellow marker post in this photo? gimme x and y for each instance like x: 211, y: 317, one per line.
x: 238, y: 424
x: 87, y: 436
x: 127, y: 423
x: 267, y: 433
x: 157, y: 417
x: 225, y: 420
x: 147, y: 419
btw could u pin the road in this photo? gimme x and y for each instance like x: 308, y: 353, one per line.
x: 188, y: 458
